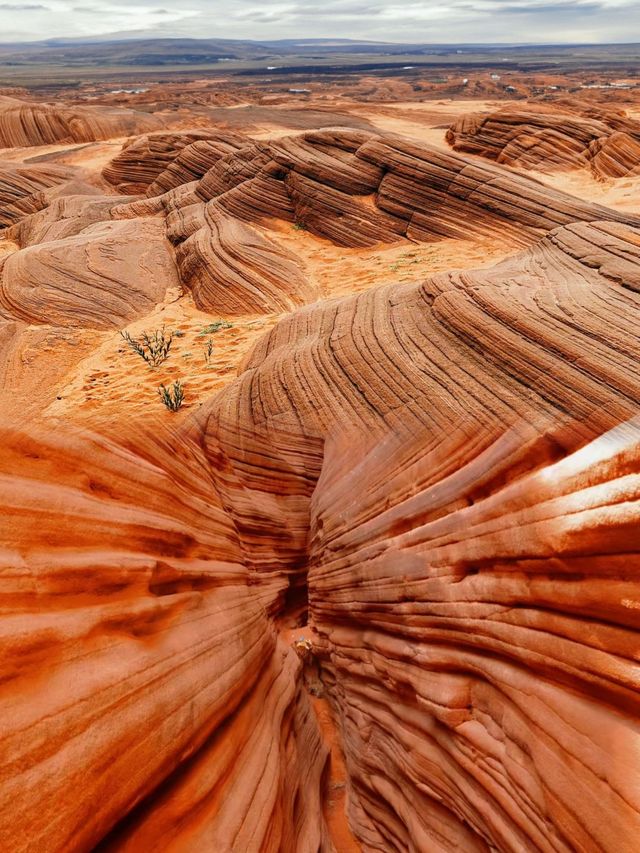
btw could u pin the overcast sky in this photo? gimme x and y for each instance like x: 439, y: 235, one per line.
x: 385, y: 20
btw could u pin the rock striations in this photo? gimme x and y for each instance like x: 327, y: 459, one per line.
x: 137, y: 651
x: 27, y: 124
x: 103, y: 277
x: 147, y: 163
x: 21, y: 188
x: 228, y: 266
x: 441, y: 476
x: 548, y: 139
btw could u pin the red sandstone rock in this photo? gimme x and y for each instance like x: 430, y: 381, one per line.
x: 467, y: 540
x: 448, y: 470
x: 420, y: 193
x: 547, y: 139
x: 20, y: 187
x: 616, y: 156
x: 230, y: 267
x: 144, y: 158
x: 128, y: 596
x: 103, y: 277
x: 26, y: 124
x: 195, y: 159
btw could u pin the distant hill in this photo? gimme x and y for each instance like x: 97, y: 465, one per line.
x: 73, y: 60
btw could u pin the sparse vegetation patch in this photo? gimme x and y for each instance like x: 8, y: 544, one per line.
x: 212, y: 328
x: 173, y: 396
x: 153, y: 348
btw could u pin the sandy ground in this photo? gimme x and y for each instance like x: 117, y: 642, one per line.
x: 425, y: 121
x: 112, y: 379
x: 340, y: 272
x: 621, y: 194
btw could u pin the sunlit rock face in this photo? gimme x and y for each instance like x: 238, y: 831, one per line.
x: 470, y: 555
x: 479, y: 644
x: 440, y: 477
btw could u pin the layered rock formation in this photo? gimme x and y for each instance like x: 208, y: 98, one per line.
x: 548, y: 139
x: 349, y: 187
x: 103, y: 277
x: 135, y: 646
x: 616, y: 156
x: 195, y: 159
x: 230, y: 267
x: 356, y: 190
x: 143, y: 160
x: 20, y: 188
x: 28, y: 124
x: 453, y: 559
x: 440, y: 478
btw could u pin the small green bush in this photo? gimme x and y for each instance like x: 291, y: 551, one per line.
x: 212, y: 328
x: 173, y: 396
x: 153, y: 348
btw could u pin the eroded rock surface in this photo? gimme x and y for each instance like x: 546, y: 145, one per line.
x: 141, y: 164
x: 23, y: 123
x: 452, y: 616
x: 20, y: 187
x: 102, y: 277
x: 549, y: 139
x: 137, y: 651
x: 439, y: 477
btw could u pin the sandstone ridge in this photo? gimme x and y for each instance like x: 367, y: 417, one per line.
x: 432, y: 486
x: 550, y: 139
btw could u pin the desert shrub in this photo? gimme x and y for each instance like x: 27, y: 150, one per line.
x: 173, y: 396
x: 212, y: 328
x: 208, y: 351
x: 153, y: 348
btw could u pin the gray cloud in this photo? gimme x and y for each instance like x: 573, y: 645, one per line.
x: 425, y: 21
x: 571, y: 8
